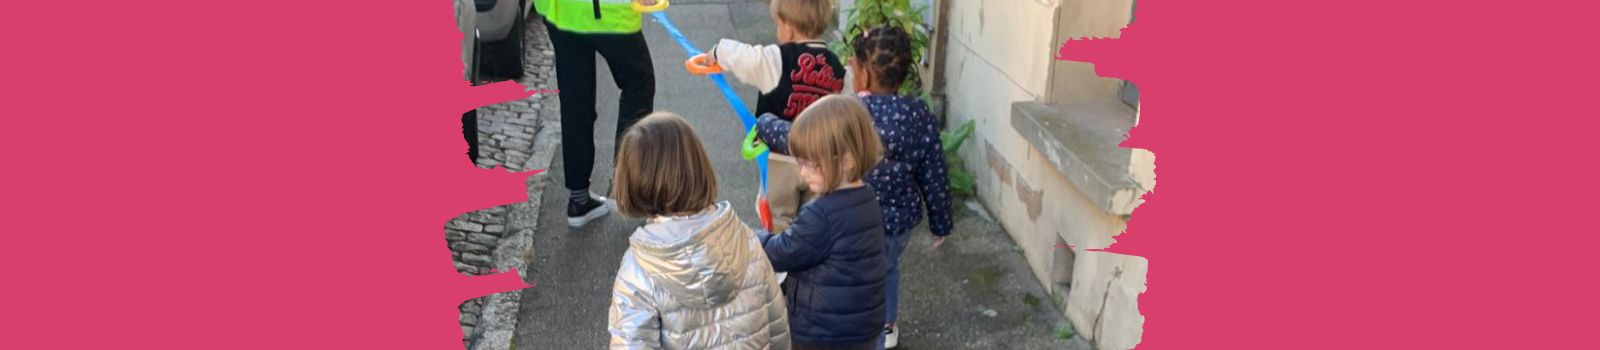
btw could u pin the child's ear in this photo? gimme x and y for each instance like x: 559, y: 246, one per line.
x: 789, y: 28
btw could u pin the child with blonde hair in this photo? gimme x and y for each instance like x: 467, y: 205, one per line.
x: 912, y: 175
x: 791, y: 75
x: 834, y: 250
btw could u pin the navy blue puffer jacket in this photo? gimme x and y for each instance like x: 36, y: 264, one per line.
x: 834, y: 256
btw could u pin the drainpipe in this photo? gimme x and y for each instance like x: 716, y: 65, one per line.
x: 935, y: 67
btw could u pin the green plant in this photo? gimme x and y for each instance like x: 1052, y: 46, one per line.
x: 961, y: 183
x: 1030, y: 300
x: 1064, y: 330
x: 899, y: 13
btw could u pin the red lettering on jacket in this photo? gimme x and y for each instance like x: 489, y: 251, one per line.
x: 815, y: 71
x: 812, y: 79
x: 798, y: 101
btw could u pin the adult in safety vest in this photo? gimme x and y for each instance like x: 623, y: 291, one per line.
x: 579, y: 29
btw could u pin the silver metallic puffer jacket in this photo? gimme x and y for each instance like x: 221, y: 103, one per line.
x: 701, y: 282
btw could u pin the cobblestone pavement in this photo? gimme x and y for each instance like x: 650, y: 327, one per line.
x: 482, y: 242
x: 508, y: 132
x: 513, y: 134
x: 472, y: 238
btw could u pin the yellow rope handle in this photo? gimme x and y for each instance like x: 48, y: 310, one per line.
x: 660, y: 5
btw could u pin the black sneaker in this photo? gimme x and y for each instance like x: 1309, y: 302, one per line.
x: 579, y: 214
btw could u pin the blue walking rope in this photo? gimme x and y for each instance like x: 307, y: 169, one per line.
x: 758, y: 154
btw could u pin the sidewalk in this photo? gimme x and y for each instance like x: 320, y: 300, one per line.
x: 976, y: 292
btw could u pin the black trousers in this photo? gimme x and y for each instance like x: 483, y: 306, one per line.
x: 628, y: 57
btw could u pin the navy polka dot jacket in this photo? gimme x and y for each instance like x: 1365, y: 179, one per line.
x: 912, y: 173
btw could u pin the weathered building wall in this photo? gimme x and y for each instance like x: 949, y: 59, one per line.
x: 1000, y: 52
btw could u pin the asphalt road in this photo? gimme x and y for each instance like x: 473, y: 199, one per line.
x: 572, y: 269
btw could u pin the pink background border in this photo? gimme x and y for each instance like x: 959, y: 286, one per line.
x: 277, y: 174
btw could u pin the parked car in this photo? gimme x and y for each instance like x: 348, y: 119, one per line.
x: 492, y: 47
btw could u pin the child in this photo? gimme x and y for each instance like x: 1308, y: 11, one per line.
x: 791, y: 75
x: 912, y: 173
x: 834, y: 250
x: 694, y: 277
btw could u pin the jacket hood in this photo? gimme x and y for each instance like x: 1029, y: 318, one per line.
x: 704, y: 257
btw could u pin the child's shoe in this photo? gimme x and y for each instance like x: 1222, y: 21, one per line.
x: 890, y: 337
x: 581, y: 211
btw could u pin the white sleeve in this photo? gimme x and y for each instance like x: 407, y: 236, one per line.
x: 760, y: 66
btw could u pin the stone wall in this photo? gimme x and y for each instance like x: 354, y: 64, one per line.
x: 473, y: 238
x: 508, y: 132
x: 493, y: 240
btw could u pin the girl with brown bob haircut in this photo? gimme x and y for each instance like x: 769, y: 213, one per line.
x: 694, y: 276
x: 662, y: 169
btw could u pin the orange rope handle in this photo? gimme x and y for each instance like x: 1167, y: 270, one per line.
x: 697, y: 65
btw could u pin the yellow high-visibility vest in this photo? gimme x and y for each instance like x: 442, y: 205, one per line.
x: 590, y: 16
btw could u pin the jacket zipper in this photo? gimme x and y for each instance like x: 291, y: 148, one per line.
x: 596, y: 9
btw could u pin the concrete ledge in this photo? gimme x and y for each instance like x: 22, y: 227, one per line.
x: 1080, y: 139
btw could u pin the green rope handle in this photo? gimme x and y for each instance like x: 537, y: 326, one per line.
x: 751, y: 148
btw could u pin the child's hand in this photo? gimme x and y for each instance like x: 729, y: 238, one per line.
x: 702, y: 64
x: 647, y: 2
